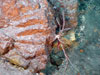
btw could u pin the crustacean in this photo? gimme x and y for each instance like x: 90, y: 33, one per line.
x: 61, y: 40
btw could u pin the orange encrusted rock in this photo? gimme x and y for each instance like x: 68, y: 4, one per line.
x: 27, y: 24
x: 6, y: 43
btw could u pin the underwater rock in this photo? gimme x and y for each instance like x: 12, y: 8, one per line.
x: 26, y: 22
x: 70, y: 8
x: 7, y: 69
x: 6, y: 43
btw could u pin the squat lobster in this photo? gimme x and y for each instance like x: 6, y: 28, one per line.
x: 58, y: 38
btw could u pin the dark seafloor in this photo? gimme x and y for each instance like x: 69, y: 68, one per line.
x: 87, y: 35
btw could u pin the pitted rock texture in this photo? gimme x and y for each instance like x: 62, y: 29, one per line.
x: 25, y: 30
x: 7, y: 69
x: 69, y: 7
x: 6, y: 43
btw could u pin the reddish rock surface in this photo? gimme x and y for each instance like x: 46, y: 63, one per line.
x: 71, y: 7
x: 25, y: 27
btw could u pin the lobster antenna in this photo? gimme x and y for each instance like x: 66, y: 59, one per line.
x: 67, y: 58
x: 63, y: 16
x: 58, y: 23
